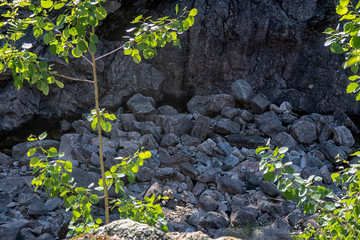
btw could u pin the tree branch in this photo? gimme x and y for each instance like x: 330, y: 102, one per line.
x: 107, y: 54
x: 73, y: 79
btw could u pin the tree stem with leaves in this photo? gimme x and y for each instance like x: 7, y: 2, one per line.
x: 97, y: 108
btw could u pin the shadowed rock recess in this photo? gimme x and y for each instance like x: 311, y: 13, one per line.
x: 203, y: 160
x: 276, y: 46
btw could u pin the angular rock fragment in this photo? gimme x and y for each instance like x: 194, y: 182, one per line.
x: 211, y: 104
x: 142, y: 107
x: 240, y: 141
x: 179, y: 124
x: 201, y: 127
x: 269, y: 123
x: 331, y: 151
x: 229, y: 185
x: 259, y: 104
x: 284, y: 139
x: 242, y: 92
x: 343, y: 136
x: 226, y: 126
x: 304, y: 132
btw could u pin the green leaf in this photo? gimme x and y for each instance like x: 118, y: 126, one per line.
x: 127, y: 51
x: 341, y: 10
x: 42, y: 136
x: 31, y: 152
x: 351, y: 87
x: 68, y: 166
x: 65, y: 178
x: 46, y: 3
x: 193, y: 12
x: 80, y: 190
x: 113, y: 169
x: 355, y: 42
x: 52, y: 152
x: 137, y: 58
x: 269, y: 176
x: 344, y: 2
x: 289, y: 170
x: 336, y: 48
x: 352, y: 61
x: 354, y: 69
x: 45, y: 88
x: 135, y: 168
x: 94, y: 199
x: 76, y: 52
x: 316, y: 196
x: 354, y: 77
x: 137, y: 19
x: 76, y: 214
x: 34, y: 161
x: 52, y: 49
x: 82, y: 46
x: 37, y: 31
x: 59, y: 84
x: 190, y: 20
x: 43, y: 64
x: 59, y: 6
x: 145, y: 155
x: 98, y: 221
x: 176, y: 8
x: 142, y: 46
x: 46, y: 38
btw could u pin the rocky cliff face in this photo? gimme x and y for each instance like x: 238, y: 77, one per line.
x: 275, y: 45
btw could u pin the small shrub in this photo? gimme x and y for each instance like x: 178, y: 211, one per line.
x: 53, y: 174
x: 338, y: 216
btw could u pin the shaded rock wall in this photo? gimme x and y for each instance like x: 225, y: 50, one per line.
x: 275, y: 45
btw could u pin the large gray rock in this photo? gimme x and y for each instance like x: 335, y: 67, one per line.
x: 242, y: 92
x: 201, y: 127
x: 304, y: 132
x: 142, y: 107
x: 210, y: 104
x: 128, y: 229
x: 343, y: 136
x: 331, y: 151
x: 226, y: 126
x: 269, y: 123
x: 284, y: 139
x: 259, y: 104
x: 240, y: 141
x: 243, y: 218
x: 229, y: 185
x: 179, y: 124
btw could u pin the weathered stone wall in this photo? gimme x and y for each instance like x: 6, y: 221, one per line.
x: 276, y: 46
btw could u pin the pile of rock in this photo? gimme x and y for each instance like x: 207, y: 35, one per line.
x: 204, y: 160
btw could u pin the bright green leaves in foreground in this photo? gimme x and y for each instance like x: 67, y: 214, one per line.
x: 345, y: 39
x: 105, y: 126
x: 53, y: 174
x: 150, y: 35
x: 339, y: 218
x: 66, y: 34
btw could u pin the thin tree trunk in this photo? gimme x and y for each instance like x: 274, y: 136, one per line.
x: 97, y: 108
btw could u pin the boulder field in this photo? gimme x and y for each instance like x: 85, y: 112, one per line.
x: 202, y: 159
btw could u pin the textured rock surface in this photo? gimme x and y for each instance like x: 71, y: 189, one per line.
x: 211, y: 177
x: 280, y: 55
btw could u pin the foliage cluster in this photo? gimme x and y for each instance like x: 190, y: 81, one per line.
x: 54, y: 175
x: 345, y: 39
x: 338, y: 216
